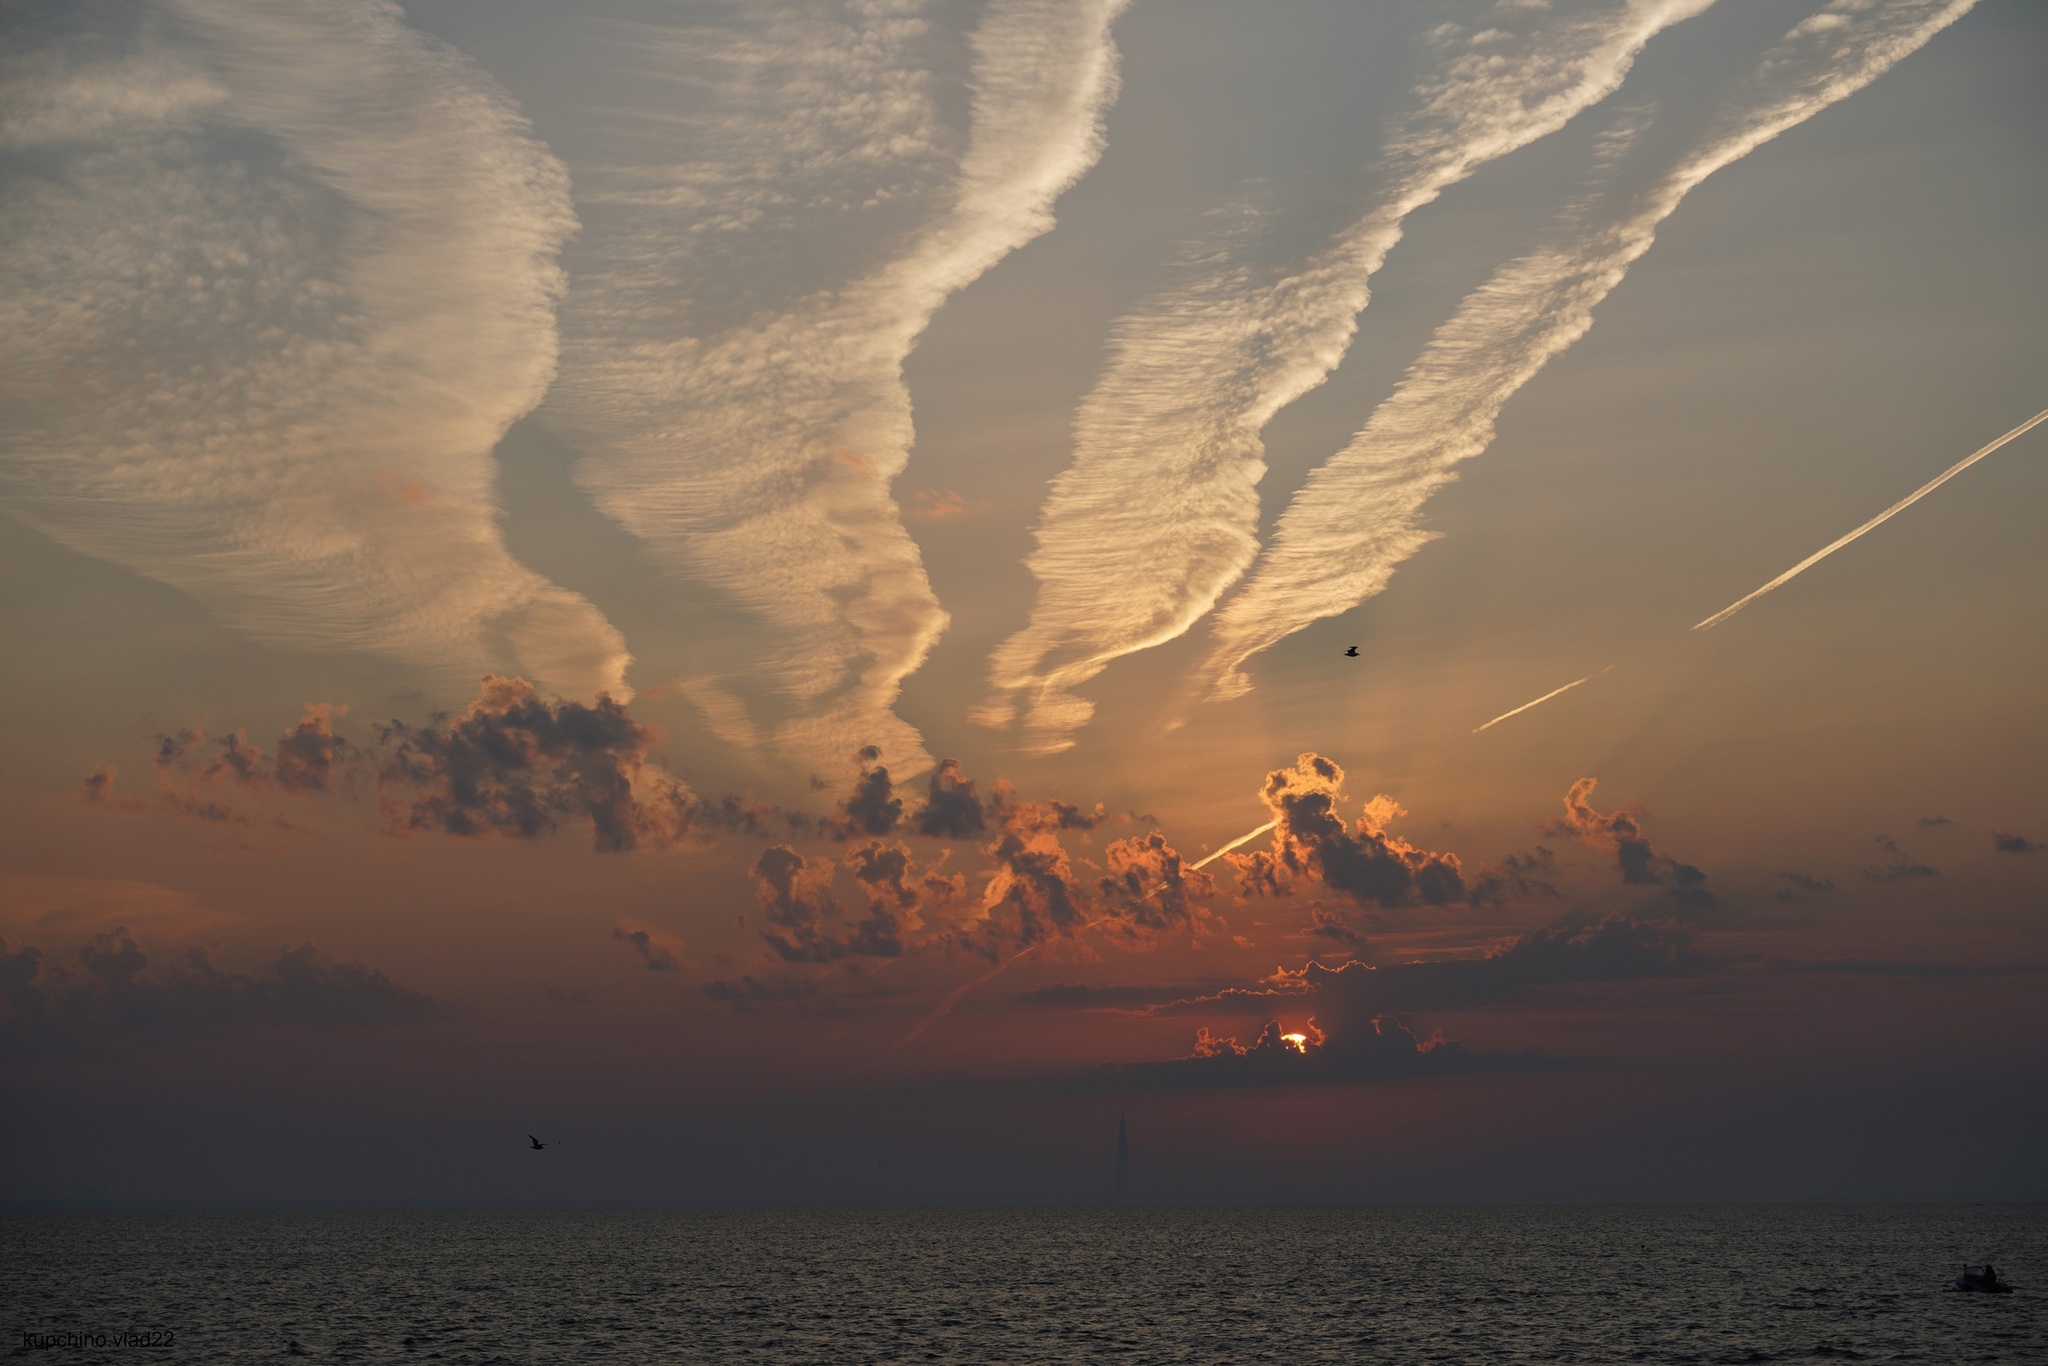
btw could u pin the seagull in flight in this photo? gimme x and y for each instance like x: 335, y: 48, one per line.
x: 537, y: 1144
x: 1351, y: 653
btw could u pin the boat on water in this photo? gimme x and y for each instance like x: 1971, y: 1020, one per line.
x: 1984, y: 1282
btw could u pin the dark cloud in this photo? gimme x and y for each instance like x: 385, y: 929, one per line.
x: 1902, y: 867
x: 805, y: 921
x: 310, y: 755
x: 873, y: 808
x: 1335, y: 926
x: 889, y: 877
x: 178, y: 774
x: 1034, y: 891
x: 1520, y: 877
x: 1382, y: 1049
x: 1615, y: 951
x: 108, y: 995
x: 1311, y: 840
x: 1935, y: 820
x: 1008, y: 813
x: 237, y: 758
x: 1622, y: 831
x: 658, y: 952
x: 512, y: 764
x: 1150, y: 891
x: 515, y: 764
x: 952, y: 808
x: 98, y: 787
x: 1798, y: 887
x: 2013, y: 844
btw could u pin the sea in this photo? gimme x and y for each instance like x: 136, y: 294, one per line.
x: 1137, y: 1285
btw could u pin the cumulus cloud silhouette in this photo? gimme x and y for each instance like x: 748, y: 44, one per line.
x: 952, y: 808
x: 658, y: 950
x: 1798, y: 887
x: 806, y: 924
x: 515, y: 764
x: 1900, y: 867
x: 873, y: 808
x: 1520, y: 877
x: 1622, y: 831
x: 1150, y: 890
x: 1311, y: 841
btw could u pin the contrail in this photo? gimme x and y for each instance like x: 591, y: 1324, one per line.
x: 953, y: 997
x: 1161, y: 500
x: 1251, y: 835
x: 1554, y: 692
x: 294, y: 422
x: 1894, y: 510
x: 750, y: 443
x: 1358, y: 516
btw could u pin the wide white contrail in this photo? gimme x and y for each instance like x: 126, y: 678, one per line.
x: 1894, y: 510
x: 1358, y: 516
x: 1158, y: 514
x: 279, y: 275
x: 752, y: 280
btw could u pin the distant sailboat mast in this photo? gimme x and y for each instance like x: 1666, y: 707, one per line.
x: 1123, y: 1162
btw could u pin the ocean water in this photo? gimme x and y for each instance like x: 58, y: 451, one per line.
x: 1528, y: 1284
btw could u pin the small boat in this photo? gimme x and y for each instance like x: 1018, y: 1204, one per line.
x: 1984, y: 1282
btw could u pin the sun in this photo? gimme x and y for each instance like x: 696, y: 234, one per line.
x: 1297, y: 1042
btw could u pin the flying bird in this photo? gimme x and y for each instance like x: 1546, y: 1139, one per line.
x: 1351, y: 653
x: 537, y: 1144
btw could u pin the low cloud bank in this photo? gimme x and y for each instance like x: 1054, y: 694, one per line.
x: 1382, y: 1049
x: 103, y: 993
x: 1614, y: 951
x: 513, y: 764
x: 1349, y: 1032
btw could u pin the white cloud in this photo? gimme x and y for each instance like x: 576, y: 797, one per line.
x: 751, y: 442
x: 1158, y: 514
x: 1358, y: 516
x: 279, y: 277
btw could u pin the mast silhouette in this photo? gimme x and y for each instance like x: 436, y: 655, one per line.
x: 1123, y: 1162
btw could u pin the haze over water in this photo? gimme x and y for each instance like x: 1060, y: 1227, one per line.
x: 1520, y: 1284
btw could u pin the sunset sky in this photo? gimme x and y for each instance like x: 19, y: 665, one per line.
x: 694, y: 579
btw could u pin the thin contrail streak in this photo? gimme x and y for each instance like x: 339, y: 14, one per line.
x: 1894, y: 510
x: 1358, y: 515
x: 945, y: 1007
x: 1251, y: 835
x: 1539, y: 701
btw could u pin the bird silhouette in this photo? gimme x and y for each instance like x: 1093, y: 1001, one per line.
x: 1351, y: 653
x: 537, y: 1144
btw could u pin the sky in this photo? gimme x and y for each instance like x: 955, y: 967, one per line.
x: 817, y: 602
